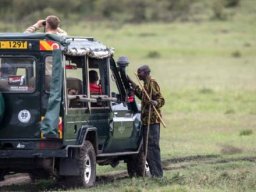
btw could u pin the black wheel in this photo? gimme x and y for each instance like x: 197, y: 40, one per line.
x: 87, y: 164
x: 147, y: 170
x: 136, y: 165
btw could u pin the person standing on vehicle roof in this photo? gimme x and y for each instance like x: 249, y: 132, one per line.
x: 152, y: 121
x: 48, y: 126
x: 51, y: 25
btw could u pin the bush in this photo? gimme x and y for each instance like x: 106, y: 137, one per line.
x: 236, y: 54
x: 246, y: 132
x: 218, y: 10
x: 232, y: 3
x: 153, y: 54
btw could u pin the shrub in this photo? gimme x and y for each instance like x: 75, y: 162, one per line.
x: 246, y: 132
x: 153, y: 54
x: 206, y: 91
x: 232, y: 3
x: 236, y: 54
x: 218, y: 10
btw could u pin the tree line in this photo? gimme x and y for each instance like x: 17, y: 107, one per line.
x: 117, y: 10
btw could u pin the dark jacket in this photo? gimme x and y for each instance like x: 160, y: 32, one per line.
x: 153, y: 89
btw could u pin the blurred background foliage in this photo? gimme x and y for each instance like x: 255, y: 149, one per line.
x: 121, y: 11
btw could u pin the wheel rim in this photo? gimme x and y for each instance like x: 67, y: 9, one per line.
x: 147, y: 167
x: 87, y: 169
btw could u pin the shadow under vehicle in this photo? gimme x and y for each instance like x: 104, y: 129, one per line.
x: 50, y: 122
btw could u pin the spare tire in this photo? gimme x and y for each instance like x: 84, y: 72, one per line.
x: 2, y: 107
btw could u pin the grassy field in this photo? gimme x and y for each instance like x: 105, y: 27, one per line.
x: 207, y: 73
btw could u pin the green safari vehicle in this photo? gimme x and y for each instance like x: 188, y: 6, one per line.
x: 50, y: 121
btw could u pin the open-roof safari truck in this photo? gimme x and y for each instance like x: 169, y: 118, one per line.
x: 50, y: 123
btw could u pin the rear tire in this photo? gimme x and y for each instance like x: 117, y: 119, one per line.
x: 86, y: 160
x: 87, y: 165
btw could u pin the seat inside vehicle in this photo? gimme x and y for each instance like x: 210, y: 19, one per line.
x: 74, y: 87
x: 74, y: 83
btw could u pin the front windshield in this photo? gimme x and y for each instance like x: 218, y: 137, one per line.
x: 17, y: 74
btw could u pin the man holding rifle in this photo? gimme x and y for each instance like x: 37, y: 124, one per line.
x: 151, y: 98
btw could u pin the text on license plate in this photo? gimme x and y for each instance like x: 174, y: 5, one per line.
x: 13, y: 44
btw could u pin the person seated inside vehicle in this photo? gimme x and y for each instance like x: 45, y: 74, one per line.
x: 95, y: 88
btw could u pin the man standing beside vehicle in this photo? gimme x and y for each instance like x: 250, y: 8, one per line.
x: 51, y: 24
x: 150, y: 119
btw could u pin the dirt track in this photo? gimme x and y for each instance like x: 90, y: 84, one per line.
x: 168, y: 164
x: 16, y: 179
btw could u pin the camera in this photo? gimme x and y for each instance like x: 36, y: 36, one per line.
x: 44, y: 23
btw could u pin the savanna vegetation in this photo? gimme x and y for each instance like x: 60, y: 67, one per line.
x: 121, y: 11
x: 204, y: 59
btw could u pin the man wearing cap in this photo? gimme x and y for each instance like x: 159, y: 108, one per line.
x: 153, y: 90
x: 51, y: 24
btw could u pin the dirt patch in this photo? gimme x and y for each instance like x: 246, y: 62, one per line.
x: 230, y: 150
x: 17, y: 179
x: 184, y: 162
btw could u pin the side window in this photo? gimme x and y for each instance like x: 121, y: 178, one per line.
x: 74, y: 81
x: 98, y: 82
x: 98, y: 76
x: 95, y: 85
x: 74, y: 84
x: 17, y: 74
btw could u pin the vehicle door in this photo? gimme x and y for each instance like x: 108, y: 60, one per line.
x: 125, y: 121
x: 21, y: 98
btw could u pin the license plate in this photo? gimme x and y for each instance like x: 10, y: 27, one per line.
x: 13, y: 44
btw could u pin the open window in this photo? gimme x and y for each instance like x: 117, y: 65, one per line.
x: 74, y: 81
x: 98, y: 82
x: 88, y: 82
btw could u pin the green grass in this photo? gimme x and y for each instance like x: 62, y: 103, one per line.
x: 201, y: 174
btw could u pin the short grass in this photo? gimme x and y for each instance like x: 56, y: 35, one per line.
x: 207, y: 73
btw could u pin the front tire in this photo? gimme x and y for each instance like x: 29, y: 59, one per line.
x: 136, y: 165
